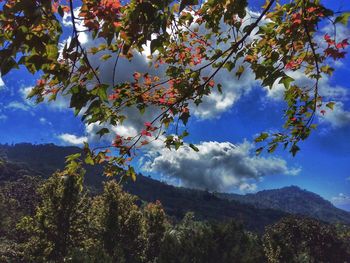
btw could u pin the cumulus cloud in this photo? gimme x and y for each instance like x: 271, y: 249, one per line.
x: 67, y: 22
x: 131, y: 126
x: 217, y: 166
x: 341, y: 199
x: 72, y: 139
x: 233, y: 88
x: 326, y: 90
x: 338, y: 117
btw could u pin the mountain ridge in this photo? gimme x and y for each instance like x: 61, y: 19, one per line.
x: 287, y: 199
x: 45, y: 159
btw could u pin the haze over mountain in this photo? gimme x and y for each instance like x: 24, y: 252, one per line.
x: 254, y: 210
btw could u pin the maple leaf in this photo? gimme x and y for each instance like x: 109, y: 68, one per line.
x: 146, y: 133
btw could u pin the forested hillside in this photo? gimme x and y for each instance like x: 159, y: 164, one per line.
x: 293, y: 200
x: 268, y: 206
x: 59, y: 218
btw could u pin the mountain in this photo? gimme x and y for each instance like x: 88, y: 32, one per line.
x: 293, y: 200
x: 45, y: 159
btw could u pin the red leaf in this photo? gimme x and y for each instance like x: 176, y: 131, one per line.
x: 146, y: 133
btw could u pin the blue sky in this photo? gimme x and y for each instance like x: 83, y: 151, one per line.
x: 223, y: 129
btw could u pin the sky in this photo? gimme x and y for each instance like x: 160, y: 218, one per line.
x: 223, y: 128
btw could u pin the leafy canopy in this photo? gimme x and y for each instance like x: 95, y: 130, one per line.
x: 187, y: 39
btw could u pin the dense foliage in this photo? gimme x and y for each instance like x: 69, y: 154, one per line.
x: 303, y: 240
x: 190, y: 42
x: 63, y: 222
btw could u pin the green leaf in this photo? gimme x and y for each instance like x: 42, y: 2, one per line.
x: 184, y: 117
x: 343, y: 18
x: 156, y: 44
x: 131, y: 173
x: 240, y: 71
x: 89, y: 160
x: 195, y: 148
x: 294, y: 149
x: 52, y: 51
x: 272, y: 148
x: 7, y: 65
x: 106, y: 57
x: 229, y: 65
x: 219, y: 86
x: 263, y: 136
x: 185, y: 3
x: 330, y: 105
x: 102, y: 132
x: 327, y: 69
x: 286, y: 81
x: 60, y: 11
x: 259, y: 150
x: 72, y: 157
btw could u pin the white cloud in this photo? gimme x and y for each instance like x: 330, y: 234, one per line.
x: 2, y: 84
x: 67, y: 22
x: 16, y: 105
x: 245, y: 187
x: 326, y: 90
x: 72, y: 139
x: 25, y: 92
x: 233, y: 88
x: 60, y: 103
x: 216, y: 166
x: 337, y: 118
x: 341, y: 199
x: 131, y: 126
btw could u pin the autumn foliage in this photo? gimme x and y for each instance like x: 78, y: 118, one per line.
x: 189, y: 42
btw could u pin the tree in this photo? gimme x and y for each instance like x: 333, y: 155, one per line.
x: 303, y: 240
x: 186, y: 40
x: 118, y: 225
x: 233, y: 244
x: 194, y: 241
x: 156, y: 225
x: 59, y: 224
x: 188, y: 241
